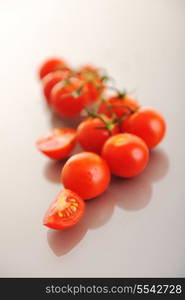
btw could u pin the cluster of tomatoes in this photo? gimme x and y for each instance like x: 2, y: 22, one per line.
x: 116, y: 136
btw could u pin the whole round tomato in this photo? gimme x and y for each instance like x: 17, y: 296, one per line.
x: 87, y: 174
x: 58, y: 143
x: 51, y: 79
x: 65, y: 211
x: 52, y: 65
x: 93, y: 82
x: 68, y: 97
x: 126, y: 154
x: 120, y: 105
x: 93, y: 132
x: 147, y: 124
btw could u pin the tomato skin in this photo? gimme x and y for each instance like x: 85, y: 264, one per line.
x: 52, y: 65
x: 119, y: 106
x: 91, y: 136
x: 147, y: 124
x: 87, y: 174
x: 93, y: 83
x: 63, y: 101
x: 58, y: 143
x: 65, y: 211
x: 126, y: 154
x: 50, y: 80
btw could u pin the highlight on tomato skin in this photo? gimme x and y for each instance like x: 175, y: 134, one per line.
x: 58, y: 143
x: 51, y: 65
x: 148, y: 124
x: 87, y: 174
x: 50, y: 80
x: 126, y: 154
x: 65, y: 211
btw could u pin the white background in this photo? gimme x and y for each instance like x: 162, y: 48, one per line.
x: 137, y: 227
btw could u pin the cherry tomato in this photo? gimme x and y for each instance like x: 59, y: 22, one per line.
x: 93, y: 132
x: 118, y: 105
x: 93, y: 81
x: 50, y: 80
x: 147, y: 124
x: 65, y: 211
x: 58, y: 143
x: 87, y: 174
x: 126, y: 154
x: 68, y: 97
x: 51, y: 65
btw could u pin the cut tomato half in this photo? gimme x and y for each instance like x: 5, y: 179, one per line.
x: 58, y: 143
x: 65, y: 211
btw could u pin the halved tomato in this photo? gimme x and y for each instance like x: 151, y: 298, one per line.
x: 65, y: 211
x: 58, y: 143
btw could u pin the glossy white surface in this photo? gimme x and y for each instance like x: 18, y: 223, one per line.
x: 137, y: 227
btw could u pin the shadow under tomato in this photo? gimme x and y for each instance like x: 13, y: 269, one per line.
x: 129, y: 194
x: 53, y: 170
x: 63, y: 241
x: 73, y: 122
x: 134, y: 194
x: 158, y: 165
x: 98, y: 212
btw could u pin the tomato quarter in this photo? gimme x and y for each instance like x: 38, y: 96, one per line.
x: 93, y: 132
x: 147, y: 124
x: 52, y: 65
x: 87, y: 174
x: 58, y: 143
x: 65, y: 211
x: 126, y: 154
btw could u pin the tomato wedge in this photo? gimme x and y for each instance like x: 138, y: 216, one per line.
x: 65, y: 211
x: 58, y: 143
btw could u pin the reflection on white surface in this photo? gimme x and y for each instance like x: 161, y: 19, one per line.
x: 141, y: 44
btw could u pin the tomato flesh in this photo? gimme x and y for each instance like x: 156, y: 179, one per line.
x: 58, y: 143
x: 65, y: 211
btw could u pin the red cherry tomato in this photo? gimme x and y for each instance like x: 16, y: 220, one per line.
x: 119, y: 105
x: 92, y: 133
x: 68, y: 97
x: 65, y: 211
x: 147, y: 124
x: 51, y: 65
x: 93, y: 82
x: 87, y: 174
x: 126, y: 154
x: 58, y: 143
x: 50, y: 80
